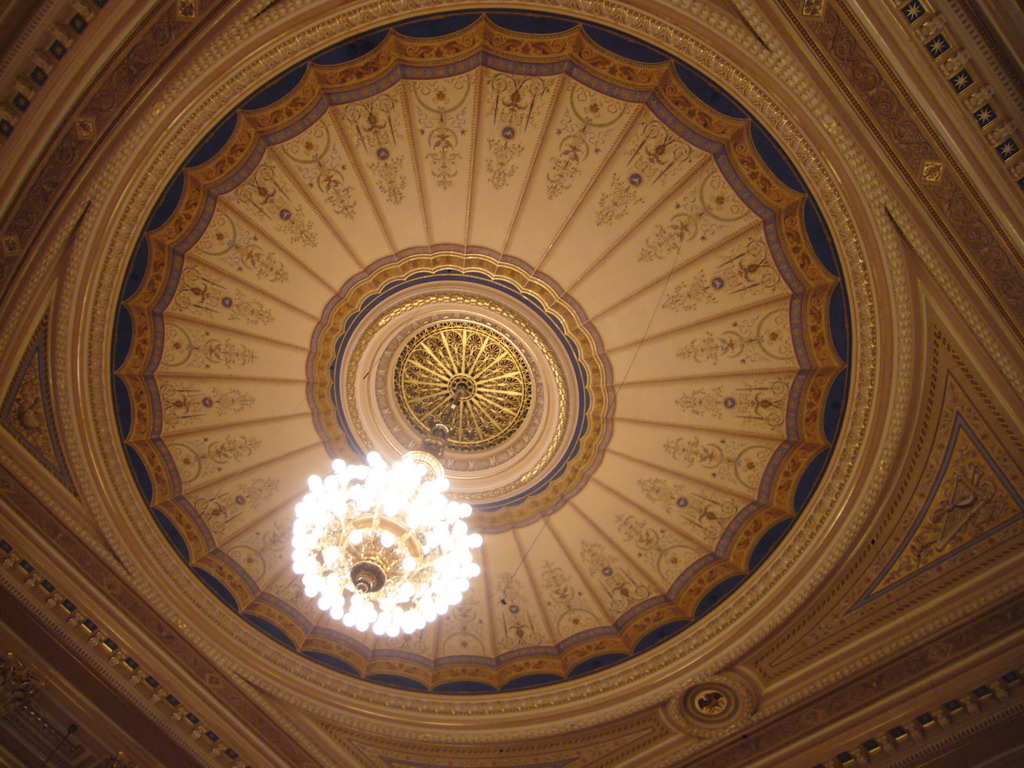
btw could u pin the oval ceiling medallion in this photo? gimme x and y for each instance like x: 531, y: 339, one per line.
x: 614, y: 268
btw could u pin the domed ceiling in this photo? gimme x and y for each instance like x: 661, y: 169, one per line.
x: 600, y: 246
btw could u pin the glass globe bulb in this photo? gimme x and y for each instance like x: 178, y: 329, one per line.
x: 380, y: 546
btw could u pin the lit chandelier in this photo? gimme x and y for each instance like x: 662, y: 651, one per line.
x: 381, y: 545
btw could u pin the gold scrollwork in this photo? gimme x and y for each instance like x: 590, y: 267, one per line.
x: 491, y: 376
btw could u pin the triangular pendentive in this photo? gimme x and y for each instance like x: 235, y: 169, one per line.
x: 27, y: 411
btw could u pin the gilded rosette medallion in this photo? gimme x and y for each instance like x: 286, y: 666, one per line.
x: 472, y: 369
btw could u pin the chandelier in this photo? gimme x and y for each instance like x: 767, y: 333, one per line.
x: 381, y: 544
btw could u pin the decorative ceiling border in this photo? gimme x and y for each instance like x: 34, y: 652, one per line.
x: 945, y: 361
x: 27, y: 410
x: 40, y: 63
x: 126, y: 599
x: 871, y: 87
x: 38, y: 591
x: 91, y: 120
x: 934, y: 730
x: 952, y: 58
x: 853, y: 695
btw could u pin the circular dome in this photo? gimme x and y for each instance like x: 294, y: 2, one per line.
x: 596, y: 254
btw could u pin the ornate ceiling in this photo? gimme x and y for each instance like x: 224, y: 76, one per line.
x: 524, y: 215
x: 737, y: 329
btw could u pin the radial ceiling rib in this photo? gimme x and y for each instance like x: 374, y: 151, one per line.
x: 448, y: 140
x: 405, y: 86
x: 366, y: 196
x: 234, y: 277
x: 473, y: 170
x: 703, y: 514
x: 224, y: 205
x: 235, y: 245
x: 378, y: 133
x: 572, y: 166
x: 320, y: 160
x: 252, y: 421
x: 709, y: 376
x: 570, y: 609
x: 317, y: 208
x: 701, y: 427
x: 279, y: 514
x: 219, y: 376
x: 753, y: 405
x: 527, y: 176
x: 639, y: 526
x: 491, y: 594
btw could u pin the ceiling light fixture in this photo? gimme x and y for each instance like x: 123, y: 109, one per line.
x: 381, y: 544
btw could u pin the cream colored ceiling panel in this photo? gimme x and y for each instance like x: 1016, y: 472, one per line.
x: 322, y: 160
x: 638, y: 183
x: 513, y: 113
x: 621, y: 580
x: 233, y: 244
x: 752, y: 338
x: 208, y: 296
x: 206, y: 457
x: 662, y: 550
x: 519, y: 621
x: 465, y: 629
x: 733, y: 462
x: 275, y: 202
x: 238, y: 498
x: 263, y: 550
x: 444, y: 114
x: 708, y: 262
x: 585, y: 132
x: 190, y: 403
x: 755, y: 403
x: 698, y: 510
x: 566, y: 595
x: 194, y: 347
x: 377, y: 130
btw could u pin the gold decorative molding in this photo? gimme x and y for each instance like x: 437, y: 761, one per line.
x: 48, y: 599
x: 448, y: 356
x: 932, y: 731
